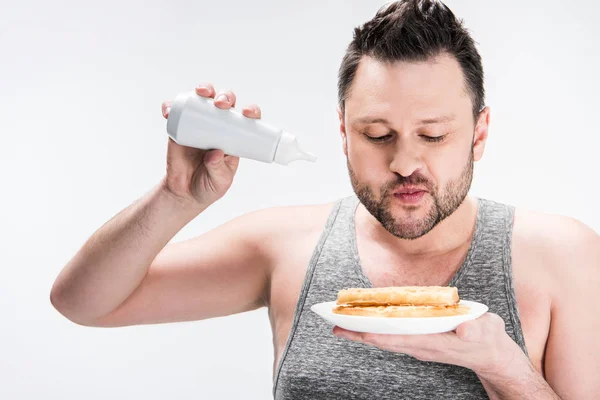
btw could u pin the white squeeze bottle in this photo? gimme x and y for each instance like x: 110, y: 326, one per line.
x: 195, y: 121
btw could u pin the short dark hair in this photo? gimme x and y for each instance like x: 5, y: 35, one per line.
x: 414, y: 30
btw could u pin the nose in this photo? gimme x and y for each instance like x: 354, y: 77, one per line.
x: 406, y: 160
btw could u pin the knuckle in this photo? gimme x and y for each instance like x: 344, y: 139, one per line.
x: 203, y: 88
x: 496, y: 321
x: 226, y: 92
x: 470, y: 330
x: 253, y: 110
x: 206, y: 85
x: 226, y: 96
x: 165, y: 109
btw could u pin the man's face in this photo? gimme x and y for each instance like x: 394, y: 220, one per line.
x: 410, y: 140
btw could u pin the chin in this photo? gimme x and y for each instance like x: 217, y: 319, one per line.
x: 409, y: 222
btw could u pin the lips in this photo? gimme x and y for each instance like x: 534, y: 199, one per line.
x: 409, y: 190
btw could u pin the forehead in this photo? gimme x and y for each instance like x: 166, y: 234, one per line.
x: 412, y: 89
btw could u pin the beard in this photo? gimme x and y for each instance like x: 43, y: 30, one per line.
x: 445, y: 202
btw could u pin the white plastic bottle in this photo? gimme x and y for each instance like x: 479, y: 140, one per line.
x: 195, y: 121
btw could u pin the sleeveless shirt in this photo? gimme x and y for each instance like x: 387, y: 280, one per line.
x: 315, y: 364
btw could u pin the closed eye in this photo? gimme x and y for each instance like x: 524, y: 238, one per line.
x: 379, y: 139
x: 385, y: 138
x: 433, y: 139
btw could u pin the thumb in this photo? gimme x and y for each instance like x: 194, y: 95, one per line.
x: 213, y: 158
x: 219, y: 168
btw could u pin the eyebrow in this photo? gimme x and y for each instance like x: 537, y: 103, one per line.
x: 437, y: 120
x: 426, y: 121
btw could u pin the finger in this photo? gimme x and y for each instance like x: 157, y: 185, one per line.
x: 346, y: 334
x: 252, y: 111
x: 225, y: 99
x: 468, y: 331
x: 387, y: 342
x: 486, y: 327
x: 364, y: 337
x: 403, y: 343
x: 166, y: 108
x: 493, y: 319
x: 219, y: 166
x: 232, y: 162
x: 493, y: 325
x: 205, y: 89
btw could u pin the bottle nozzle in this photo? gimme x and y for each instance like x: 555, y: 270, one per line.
x: 288, y: 150
x: 308, y: 156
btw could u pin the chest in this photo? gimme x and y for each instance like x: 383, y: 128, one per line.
x: 381, y: 269
x: 318, y: 365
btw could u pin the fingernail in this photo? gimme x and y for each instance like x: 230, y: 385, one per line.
x: 222, y: 97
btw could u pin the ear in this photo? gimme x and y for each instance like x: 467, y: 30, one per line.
x: 343, y: 131
x: 481, y: 133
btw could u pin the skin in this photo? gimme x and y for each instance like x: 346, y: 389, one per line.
x: 127, y: 274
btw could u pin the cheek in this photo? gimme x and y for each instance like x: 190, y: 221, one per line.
x: 370, y: 164
x: 447, y: 165
x: 436, y: 166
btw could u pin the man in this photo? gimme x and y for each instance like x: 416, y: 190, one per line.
x: 412, y: 123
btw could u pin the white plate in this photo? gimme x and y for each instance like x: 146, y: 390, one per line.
x: 400, y: 326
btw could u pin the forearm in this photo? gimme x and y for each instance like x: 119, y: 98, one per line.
x: 524, y: 384
x: 116, y: 258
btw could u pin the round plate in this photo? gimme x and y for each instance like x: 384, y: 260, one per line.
x: 399, y: 326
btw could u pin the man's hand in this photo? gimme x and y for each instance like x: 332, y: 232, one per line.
x: 481, y: 345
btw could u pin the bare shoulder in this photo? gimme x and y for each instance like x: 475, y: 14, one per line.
x: 288, y: 219
x: 559, y: 267
x: 276, y: 227
x: 558, y: 247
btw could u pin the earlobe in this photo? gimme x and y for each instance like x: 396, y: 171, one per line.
x: 481, y: 133
x: 343, y: 131
x: 344, y: 139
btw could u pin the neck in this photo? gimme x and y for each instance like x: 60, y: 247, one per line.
x: 450, y: 235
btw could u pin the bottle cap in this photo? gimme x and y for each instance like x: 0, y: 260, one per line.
x: 289, y: 150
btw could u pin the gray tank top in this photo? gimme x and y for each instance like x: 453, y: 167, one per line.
x: 317, y: 365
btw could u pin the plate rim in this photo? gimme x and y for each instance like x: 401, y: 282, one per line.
x: 485, y: 309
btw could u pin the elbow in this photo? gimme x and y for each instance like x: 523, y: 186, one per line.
x: 66, y: 309
x: 57, y: 301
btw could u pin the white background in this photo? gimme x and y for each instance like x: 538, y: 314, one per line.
x: 81, y: 84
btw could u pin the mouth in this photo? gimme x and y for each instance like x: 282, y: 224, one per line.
x: 408, y: 190
x: 410, y: 194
